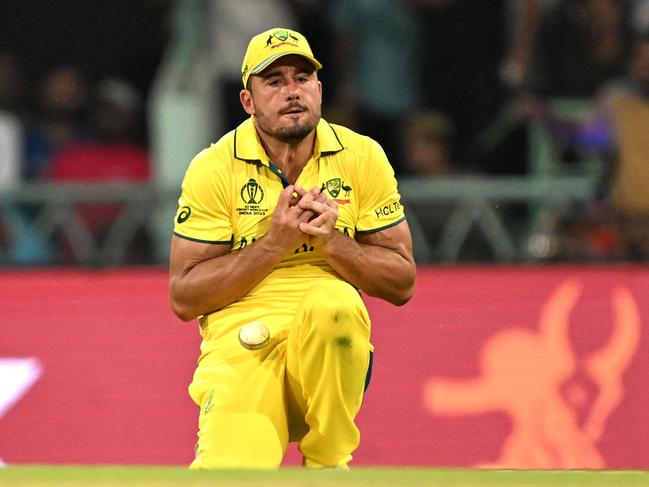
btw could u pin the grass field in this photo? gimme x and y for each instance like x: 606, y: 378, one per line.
x: 371, y: 477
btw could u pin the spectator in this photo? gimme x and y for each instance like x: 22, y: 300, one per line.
x: 524, y: 19
x: 376, y: 46
x: 11, y: 131
x: 581, y: 44
x: 621, y: 129
x: 502, y: 145
x: 20, y: 242
x: 462, y: 44
x: 10, y: 148
x: 11, y: 84
x: 427, y: 153
x: 639, y: 14
x: 58, y: 121
x: 427, y: 144
x: 614, y: 225
x: 112, y: 155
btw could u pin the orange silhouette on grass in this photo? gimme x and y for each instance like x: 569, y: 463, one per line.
x: 522, y: 373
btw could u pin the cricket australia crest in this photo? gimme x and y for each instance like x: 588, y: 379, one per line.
x: 334, y: 186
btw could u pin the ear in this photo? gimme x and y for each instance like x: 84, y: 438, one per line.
x: 247, y: 102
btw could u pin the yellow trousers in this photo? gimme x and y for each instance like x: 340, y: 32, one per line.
x: 306, y: 385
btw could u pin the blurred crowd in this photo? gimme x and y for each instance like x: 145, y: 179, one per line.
x: 78, y: 133
x: 449, y: 87
x: 74, y: 81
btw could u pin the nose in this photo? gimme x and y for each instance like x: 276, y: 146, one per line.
x: 292, y: 90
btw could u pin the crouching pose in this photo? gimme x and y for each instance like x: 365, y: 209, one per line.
x: 281, y: 224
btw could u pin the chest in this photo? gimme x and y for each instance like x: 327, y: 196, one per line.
x: 257, y: 188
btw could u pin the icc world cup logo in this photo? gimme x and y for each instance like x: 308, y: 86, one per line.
x: 251, y: 192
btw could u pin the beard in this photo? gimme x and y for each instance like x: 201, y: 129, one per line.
x: 293, y: 132
x: 296, y: 132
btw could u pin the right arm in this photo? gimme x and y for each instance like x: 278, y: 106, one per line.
x: 205, y: 277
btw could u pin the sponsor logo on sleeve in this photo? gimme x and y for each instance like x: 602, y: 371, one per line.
x: 184, y: 214
x: 387, y: 210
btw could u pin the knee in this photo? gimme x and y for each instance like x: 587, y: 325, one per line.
x: 333, y: 294
x: 336, y: 311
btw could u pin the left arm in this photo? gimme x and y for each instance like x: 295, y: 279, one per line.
x: 380, y: 263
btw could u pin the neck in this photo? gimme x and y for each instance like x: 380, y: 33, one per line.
x: 289, y: 157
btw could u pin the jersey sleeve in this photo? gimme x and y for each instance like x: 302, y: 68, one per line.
x: 380, y: 205
x: 203, y: 211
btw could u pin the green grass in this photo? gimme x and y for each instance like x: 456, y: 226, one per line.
x: 78, y: 476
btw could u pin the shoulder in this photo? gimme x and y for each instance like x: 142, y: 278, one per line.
x: 356, y: 144
x: 363, y: 160
x: 215, y: 158
x: 210, y: 171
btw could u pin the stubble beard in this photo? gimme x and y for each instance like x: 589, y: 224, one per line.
x: 295, y: 132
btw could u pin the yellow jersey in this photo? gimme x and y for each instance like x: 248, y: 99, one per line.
x: 228, y: 196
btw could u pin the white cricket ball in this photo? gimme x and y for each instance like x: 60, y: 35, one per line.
x: 254, y: 335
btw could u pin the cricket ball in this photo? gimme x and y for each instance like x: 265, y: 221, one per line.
x: 254, y: 335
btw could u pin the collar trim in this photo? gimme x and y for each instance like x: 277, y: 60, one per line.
x: 247, y: 146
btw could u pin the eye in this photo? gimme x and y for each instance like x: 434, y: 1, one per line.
x: 273, y: 82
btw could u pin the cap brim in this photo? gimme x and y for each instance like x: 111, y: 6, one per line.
x: 271, y: 59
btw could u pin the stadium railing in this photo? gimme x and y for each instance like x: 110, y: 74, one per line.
x: 45, y: 211
x: 507, y: 218
x: 515, y: 217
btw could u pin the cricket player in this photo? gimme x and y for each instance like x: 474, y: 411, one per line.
x: 281, y: 224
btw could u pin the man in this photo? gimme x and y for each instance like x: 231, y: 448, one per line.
x: 255, y: 250
x: 619, y: 128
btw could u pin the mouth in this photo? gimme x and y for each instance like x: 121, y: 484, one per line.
x: 295, y: 110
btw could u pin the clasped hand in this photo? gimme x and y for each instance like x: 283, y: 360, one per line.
x: 301, y: 216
